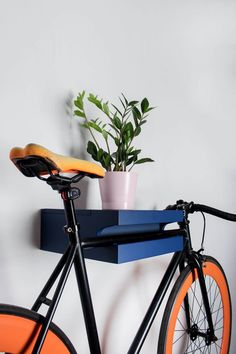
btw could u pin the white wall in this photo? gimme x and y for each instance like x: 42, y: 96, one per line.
x: 181, y: 55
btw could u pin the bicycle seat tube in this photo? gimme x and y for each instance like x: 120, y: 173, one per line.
x: 80, y: 269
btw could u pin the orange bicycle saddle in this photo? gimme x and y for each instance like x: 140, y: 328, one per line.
x: 33, y: 160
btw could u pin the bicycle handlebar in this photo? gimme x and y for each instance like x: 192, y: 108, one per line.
x: 212, y: 211
x: 191, y: 207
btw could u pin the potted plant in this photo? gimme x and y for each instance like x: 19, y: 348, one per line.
x: 111, y: 144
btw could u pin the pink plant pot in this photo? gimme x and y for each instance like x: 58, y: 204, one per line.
x: 118, y: 190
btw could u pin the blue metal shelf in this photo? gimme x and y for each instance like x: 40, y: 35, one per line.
x: 95, y: 223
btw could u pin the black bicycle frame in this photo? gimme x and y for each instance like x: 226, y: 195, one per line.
x: 74, y: 255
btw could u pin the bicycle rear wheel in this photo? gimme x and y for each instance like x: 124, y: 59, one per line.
x: 175, y: 337
x: 19, y: 328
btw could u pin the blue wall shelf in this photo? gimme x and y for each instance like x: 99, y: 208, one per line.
x: 95, y: 223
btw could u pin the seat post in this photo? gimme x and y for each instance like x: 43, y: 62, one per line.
x: 72, y: 229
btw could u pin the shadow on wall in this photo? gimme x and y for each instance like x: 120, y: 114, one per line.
x: 116, y: 303
x: 82, y: 201
x: 35, y: 229
x: 78, y: 141
x: 77, y: 137
x: 138, y: 280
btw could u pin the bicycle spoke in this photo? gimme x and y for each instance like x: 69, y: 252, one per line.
x: 196, y: 299
x: 198, y: 317
x: 179, y: 338
x: 215, y: 297
x: 199, y: 312
x: 194, y: 350
x: 216, y: 347
x: 217, y: 321
x: 180, y: 323
x: 203, y: 319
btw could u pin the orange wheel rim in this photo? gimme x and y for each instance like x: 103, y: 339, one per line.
x: 18, y: 335
x: 212, y: 270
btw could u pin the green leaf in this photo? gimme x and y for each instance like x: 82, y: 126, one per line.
x: 107, y: 162
x: 92, y: 150
x: 145, y: 159
x: 117, y: 122
x: 137, y: 131
x: 135, y: 152
x: 136, y: 113
x: 129, y: 130
x: 124, y: 106
x: 82, y: 94
x: 78, y: 103
x: 105, y: 109
x: 143, y: 122
x: 117, y: 141
x: 105, y: 134
x: 93, y: 99
x: 130, y: 160
x: 144, y: 105
x: 84, y: 125
x: 79, y: 113
x: 130, y: 149
x: 125, y: 99
x: 117, y: 110
x: 100, y: 154
x: 135, y: 121
x: 125, y: 140
x: 150, y: 109
x: 105, y: 159
x: 133, y: 103
x: 93, y: 125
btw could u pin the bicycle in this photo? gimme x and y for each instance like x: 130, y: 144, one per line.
x: 197, y: 317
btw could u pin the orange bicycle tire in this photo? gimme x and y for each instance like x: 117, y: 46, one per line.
x: 19, y: 328
x: 173, y: 328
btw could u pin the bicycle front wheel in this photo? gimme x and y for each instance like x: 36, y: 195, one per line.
x: 175, y: 335
x: 19, y: 328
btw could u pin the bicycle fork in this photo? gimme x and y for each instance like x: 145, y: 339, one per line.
x: 197, y: 261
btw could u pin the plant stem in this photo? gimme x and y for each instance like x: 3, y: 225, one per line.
x: 109, y: 152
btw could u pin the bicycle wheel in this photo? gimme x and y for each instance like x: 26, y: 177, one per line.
x: 175, y: 338
x: 19, y: 328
